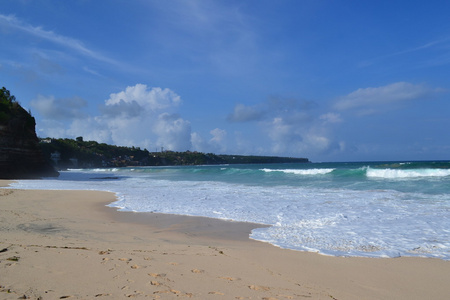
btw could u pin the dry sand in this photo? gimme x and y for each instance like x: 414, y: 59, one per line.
x: 68, y: 245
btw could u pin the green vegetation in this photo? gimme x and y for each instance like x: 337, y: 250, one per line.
x: 9, y: 108
x: 69, y: 153
x: 8, y: 105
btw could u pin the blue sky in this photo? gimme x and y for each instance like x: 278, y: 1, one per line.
x: 327, y: 80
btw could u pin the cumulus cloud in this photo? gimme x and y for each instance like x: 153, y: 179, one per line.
x: 218, y: 135
x: 122, y: 109
x: 330, y: 118
x: 137, y: 116
x: 173, y: 132
x: 143, y: 116
x: 295, y: 138
x: 59, y: 109
x: 272, y: 108
x: 291, y: 126
x: 218, y: 142
x: 243, y: 113
x: 371, y: 100
x: 150, y: 99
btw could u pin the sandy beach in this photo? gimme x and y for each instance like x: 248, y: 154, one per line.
x: 69, y: 245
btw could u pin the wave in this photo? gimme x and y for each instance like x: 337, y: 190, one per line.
x: 415, y: 165
x: 101, y: 170
x: 369, y: 172
x: 301, y: 171
x: 406, y: 173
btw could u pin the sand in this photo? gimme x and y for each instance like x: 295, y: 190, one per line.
x: 69, y: 245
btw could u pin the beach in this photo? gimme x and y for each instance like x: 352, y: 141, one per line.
x: 70, y: 245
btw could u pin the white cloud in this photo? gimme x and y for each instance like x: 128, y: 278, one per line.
x: 243, y: 113
x: 279, y: 131
x: 330, y: 118
x: 50, y: 128
x: 292, y: 109
x: 371, y: 100
x: 173, y: 132
x: 218, y: 143
x: 290, y: 126
x: 123, y: 109
x: 218, y: 135
x: 218, y: 140
x: 90, y: 129
x: 151, y: 100
x: 198, y: 143
x: 138, y: 116
x: 67, y: 42
x: 59, y: 109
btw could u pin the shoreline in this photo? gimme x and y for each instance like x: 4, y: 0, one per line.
x: 69, y: 243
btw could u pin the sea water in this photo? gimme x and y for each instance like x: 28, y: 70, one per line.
x: 343, y: 209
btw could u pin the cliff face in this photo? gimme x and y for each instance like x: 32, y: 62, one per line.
x: 20, y: 154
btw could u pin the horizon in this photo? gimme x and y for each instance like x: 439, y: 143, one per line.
x: 362, y: 82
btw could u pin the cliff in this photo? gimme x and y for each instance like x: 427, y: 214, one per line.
x: 20, y: 154
x: 69, y: 153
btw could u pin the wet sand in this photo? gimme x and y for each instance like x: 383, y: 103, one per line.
x: 69, y: 245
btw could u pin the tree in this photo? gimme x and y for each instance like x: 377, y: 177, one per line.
x: 8, y: 104
x: 6, y: 97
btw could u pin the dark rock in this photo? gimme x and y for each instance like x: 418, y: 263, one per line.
x: 20, y: 154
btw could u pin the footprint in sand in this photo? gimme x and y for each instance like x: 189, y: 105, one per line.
x: 258, y: 288
x: 125, y: 259
x: 102, y: 295
x: 155, y: 275
x: 168, y: 292
x: 229, y: 278
x: 216, y: 293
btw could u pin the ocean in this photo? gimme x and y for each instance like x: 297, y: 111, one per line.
x: 369, y: 209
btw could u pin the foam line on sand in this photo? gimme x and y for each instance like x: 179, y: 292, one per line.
x: 68, y: 244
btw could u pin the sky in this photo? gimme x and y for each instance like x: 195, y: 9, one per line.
x: 321, y: 79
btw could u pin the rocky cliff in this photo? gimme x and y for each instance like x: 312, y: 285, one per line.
x: 20, y: 154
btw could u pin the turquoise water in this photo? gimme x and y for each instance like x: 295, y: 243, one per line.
x: 376, y: 209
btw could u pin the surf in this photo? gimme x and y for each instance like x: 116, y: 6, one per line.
x: 406, y: 173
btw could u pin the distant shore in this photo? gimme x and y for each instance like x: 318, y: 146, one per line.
x: 69, y: 153
x: 68, y: 244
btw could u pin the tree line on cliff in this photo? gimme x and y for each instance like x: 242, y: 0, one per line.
x: 77, y: 153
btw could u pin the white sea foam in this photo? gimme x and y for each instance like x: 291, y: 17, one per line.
x: 407, y: 173
x: 301, y: 171
x: 334, y: 221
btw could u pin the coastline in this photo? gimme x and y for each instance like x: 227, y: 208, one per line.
x: 69, y: 244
